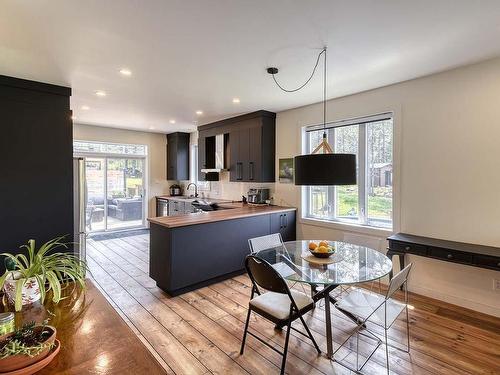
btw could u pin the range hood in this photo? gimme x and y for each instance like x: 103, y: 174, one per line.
x: 219, y: 156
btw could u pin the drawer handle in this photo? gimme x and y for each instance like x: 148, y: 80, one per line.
x: 498, y: 264
x: 407, y: 248
x: 450, y: 256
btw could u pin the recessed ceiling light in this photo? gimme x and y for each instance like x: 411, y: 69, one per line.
x: 85, y: 107
x: 236, y: 100
x: 125, y: 72
x: 199, y: 113
x: 100, y: 93
x: 172, y: 121
x: 151, y: 128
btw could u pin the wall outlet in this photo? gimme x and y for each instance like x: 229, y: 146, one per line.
x: 496, y: 285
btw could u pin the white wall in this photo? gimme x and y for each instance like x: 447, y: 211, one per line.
x: 156, y: 143
x: 446, y: 170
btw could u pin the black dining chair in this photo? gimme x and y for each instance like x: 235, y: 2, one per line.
x: 278, y: 304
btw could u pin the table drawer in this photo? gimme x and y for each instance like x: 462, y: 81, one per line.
x: 487, y: 261
x: 450, y: 255
x: 408, y: 248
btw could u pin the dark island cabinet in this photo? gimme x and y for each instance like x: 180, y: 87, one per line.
x: 189, y: 257
x: 178, y: 156
x: 284, y: 223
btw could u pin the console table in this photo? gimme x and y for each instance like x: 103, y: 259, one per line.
x: 448, y: 251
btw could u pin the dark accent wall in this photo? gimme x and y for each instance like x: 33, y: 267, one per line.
x: 36, y: 177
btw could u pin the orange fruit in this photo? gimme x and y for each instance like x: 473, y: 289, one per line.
x: 324, y: 243
x: 322, y: 249
x: 312, y: 245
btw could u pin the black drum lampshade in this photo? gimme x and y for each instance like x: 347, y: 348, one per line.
x: 325, y: 169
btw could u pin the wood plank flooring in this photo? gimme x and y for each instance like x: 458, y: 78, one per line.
x: 200, y: 332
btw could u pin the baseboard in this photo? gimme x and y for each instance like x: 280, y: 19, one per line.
x: 459, y: 301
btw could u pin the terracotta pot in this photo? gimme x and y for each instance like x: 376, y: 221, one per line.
x: 30, y: 293
x: 15, y: 362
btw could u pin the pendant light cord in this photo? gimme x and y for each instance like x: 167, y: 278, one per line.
x: 309, y: 79
x: 324, y: 94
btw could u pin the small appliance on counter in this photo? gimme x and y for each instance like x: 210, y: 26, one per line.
x: 258, y: 196
x: 175, y: 190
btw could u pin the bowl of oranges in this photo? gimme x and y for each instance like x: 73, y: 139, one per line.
x: 322, y: 249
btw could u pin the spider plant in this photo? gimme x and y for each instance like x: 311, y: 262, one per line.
x: 52, y: 270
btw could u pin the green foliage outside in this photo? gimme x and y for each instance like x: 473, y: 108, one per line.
x: 379, y: 204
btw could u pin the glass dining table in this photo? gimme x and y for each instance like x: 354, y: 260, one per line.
x: 349, y: 265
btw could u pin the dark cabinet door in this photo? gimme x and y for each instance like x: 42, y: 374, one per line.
x: 284, y: 223
x: 178, y: 156
x: 171, y: 157
x: 201, y: 157
x: 239, y: 155
x: 255, y: 154
x: 234, y: 164
x: 244, y: 154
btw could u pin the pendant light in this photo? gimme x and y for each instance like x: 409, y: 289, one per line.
x: 324, y: 168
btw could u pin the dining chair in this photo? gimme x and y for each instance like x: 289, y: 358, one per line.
x: 278, y: 304
x: 366, y: 241
x: 378, y: 309
x: 270, y: 241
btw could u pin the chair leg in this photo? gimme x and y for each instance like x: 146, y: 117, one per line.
x: 245, y: 332
x: 407, y: 328
x: 357, y: 350
x: 386, y: 351
x: 310, y: 334
x: 285, y: 351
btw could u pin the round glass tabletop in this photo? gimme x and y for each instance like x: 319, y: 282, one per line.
x: 350, y: 264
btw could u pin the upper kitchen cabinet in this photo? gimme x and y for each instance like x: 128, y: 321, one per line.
x: 178, y: 156
x: 250, y: 151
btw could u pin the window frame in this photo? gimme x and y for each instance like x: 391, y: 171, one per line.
x: 362, y: 224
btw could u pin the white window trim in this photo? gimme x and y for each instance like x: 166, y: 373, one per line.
x: 302, y: 196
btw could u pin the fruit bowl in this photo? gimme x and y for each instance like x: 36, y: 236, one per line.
x: 318, y: 254
x: 323, y: 250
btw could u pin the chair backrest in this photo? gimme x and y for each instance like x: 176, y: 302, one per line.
x: 262, y: 274
x: 398, y: 280
x: 265, y: 242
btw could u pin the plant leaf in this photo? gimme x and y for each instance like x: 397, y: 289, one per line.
x: 18, y: 305
x: 41, y: 285
x: 54, y: 285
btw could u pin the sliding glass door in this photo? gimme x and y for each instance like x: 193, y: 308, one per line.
x: 115, y: 193
x: 115, y: 180
x: 125, y: 192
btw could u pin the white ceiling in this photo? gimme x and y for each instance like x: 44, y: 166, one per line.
x: 189, y: 55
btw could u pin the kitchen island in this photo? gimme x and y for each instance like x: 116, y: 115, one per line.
x: 194, y: 250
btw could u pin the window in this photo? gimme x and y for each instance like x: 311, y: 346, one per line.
x: 193, y: 170
x: 370, y: 201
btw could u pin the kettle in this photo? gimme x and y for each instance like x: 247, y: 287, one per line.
x: 175, y: 190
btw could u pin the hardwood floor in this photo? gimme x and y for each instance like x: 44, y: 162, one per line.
x: 200, y: 332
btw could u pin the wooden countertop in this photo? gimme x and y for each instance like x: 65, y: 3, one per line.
x: 237, y: 211
x: 94, y: 338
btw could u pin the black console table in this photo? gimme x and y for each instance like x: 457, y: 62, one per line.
x: 448, y: 251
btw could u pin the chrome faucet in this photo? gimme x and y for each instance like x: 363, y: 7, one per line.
x: 195, y: 189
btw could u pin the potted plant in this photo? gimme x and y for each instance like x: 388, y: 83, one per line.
x: 30, y: 276
x: 26, y: 346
